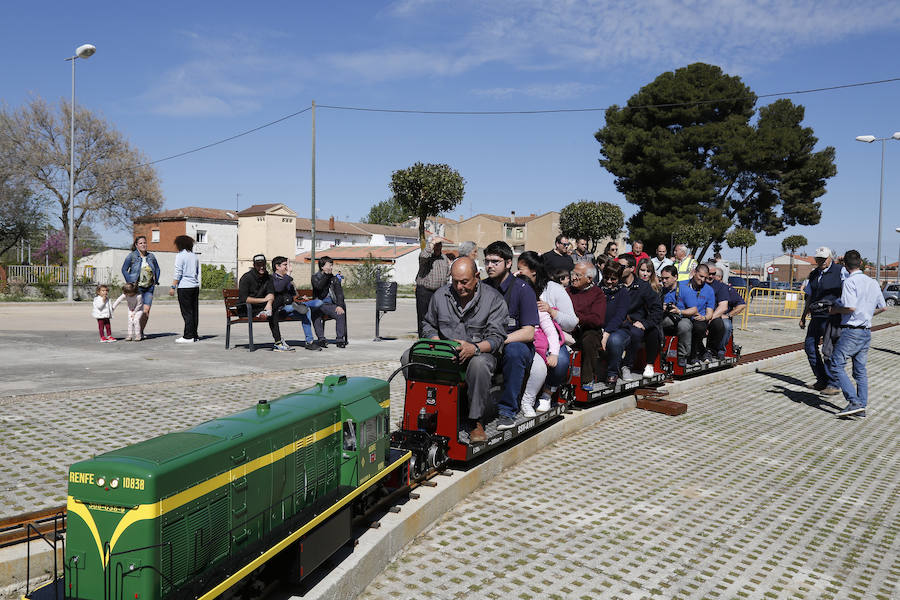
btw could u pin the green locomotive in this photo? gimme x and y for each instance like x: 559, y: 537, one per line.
x: 187, y: 514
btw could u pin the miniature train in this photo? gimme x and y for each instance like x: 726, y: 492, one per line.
x: 188, y: 514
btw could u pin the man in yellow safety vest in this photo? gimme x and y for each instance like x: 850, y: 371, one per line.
x: 684, y: 262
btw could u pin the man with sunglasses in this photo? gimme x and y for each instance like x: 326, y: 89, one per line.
x: 720, y: 325
x: 559, y: 257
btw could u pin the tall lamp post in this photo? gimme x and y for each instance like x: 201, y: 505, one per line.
x: 898, y: 259
x: 869, y: 139
x: 83, y: 51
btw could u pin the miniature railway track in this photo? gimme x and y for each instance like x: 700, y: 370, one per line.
x: 762, y: 354
x: 15, y: 530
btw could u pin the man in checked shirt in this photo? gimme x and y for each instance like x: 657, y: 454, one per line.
x: 434, y: 272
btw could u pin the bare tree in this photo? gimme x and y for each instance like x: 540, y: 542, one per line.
x: 113, y: 185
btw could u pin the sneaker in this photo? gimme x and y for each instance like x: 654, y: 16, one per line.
x: 831, y: 391
x: 852, y: 409
x: 588, y: 387
x: 611, y: 381
x: 282, y: 347
x: 184, y: 340
x: 111, y: 339
x: 707, y: 357
x: 648, y: 371
x: 341, y: 344
x: 102, y: 340
x: 128, y: 339
x: 681, y: 362
x: 505, y: 422
x: 322, y: 343
x: 692, y: 361
x: 313, y: 346
x: 818, y: 386
x: 528, y: 407
x: 627, y: 375
x: 543, y: 403
x: 265, y: 312
x: 720, y: 355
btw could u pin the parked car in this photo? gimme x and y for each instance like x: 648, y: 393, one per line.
x: 737, y: 282
x: 891, y: 294
x: 754, y: 282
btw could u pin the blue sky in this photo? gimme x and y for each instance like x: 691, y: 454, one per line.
x: 174, y: 76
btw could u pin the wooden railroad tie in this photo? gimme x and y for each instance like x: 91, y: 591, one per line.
x: 655, y: 400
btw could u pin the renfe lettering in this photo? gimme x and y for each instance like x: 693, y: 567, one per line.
x: 76, y: 477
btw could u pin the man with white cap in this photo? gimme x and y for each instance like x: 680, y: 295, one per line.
x: 822, y: 291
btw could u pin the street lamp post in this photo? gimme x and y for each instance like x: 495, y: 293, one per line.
x: 83, y: 51
x: 869, y: 139
x: 898, y: 259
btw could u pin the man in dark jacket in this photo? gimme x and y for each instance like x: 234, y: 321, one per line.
x: 644, y: 315
x: 256, y: 293
x: 328, y: 291
x: 825, y: 285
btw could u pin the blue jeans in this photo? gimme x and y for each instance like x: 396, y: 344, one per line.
x: 729, y: 327
x: 516, y: 362
x: 618, y: 341
x: 305, y: 320
x: 822, y: 370
x: 853, y: 344
x: 559, y: 374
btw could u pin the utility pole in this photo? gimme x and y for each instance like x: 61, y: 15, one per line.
x: 237, y: 264
x: 312, y: 252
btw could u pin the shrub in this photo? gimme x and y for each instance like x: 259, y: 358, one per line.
x: 215, y: 277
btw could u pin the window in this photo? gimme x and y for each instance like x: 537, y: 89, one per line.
x: 154, y: 236
x: 349, y: 436
x: 201, y: 237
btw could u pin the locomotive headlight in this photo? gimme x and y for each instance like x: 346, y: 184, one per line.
x: 101, y: 481
x: 114, y: 482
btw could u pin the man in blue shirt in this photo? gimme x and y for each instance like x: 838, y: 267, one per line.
x: 823, y: 289
x: 518, y: 348
x: 728, y: 304
x: 696, y: 300
x: 861, y: 299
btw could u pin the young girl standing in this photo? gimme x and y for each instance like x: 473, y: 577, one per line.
x: 135, y: 310
x: 102, y: 311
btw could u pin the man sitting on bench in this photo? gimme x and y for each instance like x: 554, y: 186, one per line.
x: 326, y: 287
x: 285, y: 304
x: 256, y: 295
x: 475, y: 315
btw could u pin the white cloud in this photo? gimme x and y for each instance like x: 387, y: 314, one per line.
x: 544, y: 91
x: 436, y: 38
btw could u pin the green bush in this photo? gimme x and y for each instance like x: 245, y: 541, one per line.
x: 215, y: 277
x: 47, y: 286
x: 360, y: 279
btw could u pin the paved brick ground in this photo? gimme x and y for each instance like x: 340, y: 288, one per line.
x: 44, y: 434
x: 756, y: 492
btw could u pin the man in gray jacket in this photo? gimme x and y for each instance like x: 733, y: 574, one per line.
x: 474, y: 315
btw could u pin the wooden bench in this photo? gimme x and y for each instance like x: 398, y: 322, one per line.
x: 232, y: 301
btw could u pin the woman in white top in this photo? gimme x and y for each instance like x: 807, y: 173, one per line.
x: 553, y: 300
x: 187, y: 282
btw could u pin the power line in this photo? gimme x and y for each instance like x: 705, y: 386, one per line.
x: 228, y: 139
x: 604, y: 108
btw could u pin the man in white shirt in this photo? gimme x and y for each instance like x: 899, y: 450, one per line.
x: 861, y: 299
x: 660, y: 260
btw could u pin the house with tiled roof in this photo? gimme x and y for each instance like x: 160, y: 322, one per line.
x: 267, y: 229
x: 403, y: 259
x: 521, y: 232
x: 214, y: 231
x: 803, y: 264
